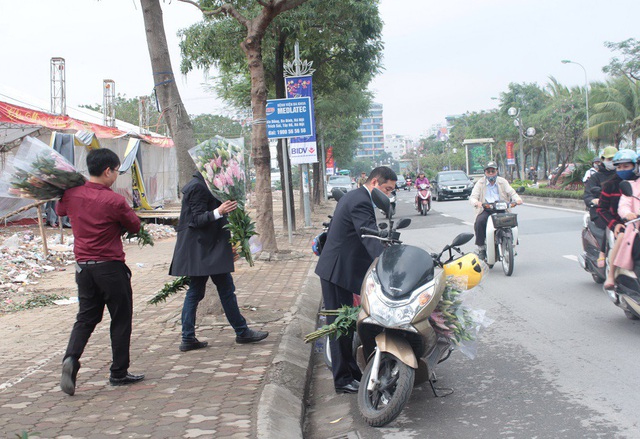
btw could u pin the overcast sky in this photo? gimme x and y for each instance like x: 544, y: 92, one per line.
x: 441, y: 57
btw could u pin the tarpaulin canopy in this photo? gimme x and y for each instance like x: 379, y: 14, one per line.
x: 14, y: 114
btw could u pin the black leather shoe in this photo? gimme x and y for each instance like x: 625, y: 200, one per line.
x: 190, y: 345
x: 70, y: 367
x: 251, y: 336
x: 127, y: 379
x: 352, y: 387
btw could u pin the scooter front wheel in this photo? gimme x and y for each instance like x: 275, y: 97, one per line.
x: 507, y: 254
x: 385, y: 402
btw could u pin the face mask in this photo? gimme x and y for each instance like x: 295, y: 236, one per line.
x: 492, y: 179
x: 609, y: 166
x: 627, y: 174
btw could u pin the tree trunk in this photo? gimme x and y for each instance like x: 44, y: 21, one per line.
x: 171, y: 105
x: 280, y: 94
x: 259, y: 141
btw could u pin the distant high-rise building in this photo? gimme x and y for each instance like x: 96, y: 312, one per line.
x: 371, y: 133
x: 397, y: 145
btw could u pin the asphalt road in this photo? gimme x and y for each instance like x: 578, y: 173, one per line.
x: 559, y: 360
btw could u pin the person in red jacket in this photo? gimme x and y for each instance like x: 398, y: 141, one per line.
x: 98, y: 215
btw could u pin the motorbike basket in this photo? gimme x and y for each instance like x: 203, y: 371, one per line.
x: 501, y: 220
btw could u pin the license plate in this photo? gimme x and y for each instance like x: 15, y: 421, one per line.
x: 457, y: 190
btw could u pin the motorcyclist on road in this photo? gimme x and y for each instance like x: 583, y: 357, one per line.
x: 606, y: 171
x: 595, y: 164
x: 489, y: 189
x: 420, y: 180
x: 625, y: 164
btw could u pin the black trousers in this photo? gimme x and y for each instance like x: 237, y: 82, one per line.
x: 106, y: 283
x: 343, y: 364
x: 480, y: 227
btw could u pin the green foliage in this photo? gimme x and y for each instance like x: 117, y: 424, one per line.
x: 344, y: 323
x: 206, y: 126
x: 553, y: 193
x: 629, y: 65
x: 142, y: 236
x: 170, y: 288
x: 38, y: 300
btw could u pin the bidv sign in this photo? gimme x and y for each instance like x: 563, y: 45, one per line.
x: 288, y: 118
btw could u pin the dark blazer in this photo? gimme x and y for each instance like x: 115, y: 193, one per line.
x: 202, y: 246
x: 345, y: 256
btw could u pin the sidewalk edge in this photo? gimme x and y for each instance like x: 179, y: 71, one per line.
x: 281, y: 406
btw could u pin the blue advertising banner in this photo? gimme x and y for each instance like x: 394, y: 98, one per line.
x: 287, y: 118
x: 302, y: 149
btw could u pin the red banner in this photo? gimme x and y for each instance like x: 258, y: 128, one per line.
x: 25, y: 116
x: 511, y: 159
x: 329, y: 163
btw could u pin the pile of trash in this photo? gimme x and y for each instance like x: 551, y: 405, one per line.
x: 23, y: 262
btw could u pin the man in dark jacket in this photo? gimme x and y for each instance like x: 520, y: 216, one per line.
x: 344, y: 261
x: 202, y: 251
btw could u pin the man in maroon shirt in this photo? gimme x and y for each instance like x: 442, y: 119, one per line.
x: 98, y: 216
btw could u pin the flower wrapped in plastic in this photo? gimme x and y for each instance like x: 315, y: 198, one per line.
x: 37, y: 171
x: 221, y: 164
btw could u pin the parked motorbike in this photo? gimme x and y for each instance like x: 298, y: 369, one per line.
x: 626, y: 292
x: 399, y: 348
x: 423, y: 199
x: 502, y: 235
x: 592, y: 235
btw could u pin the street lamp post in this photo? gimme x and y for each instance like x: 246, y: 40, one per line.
x: 517, y: 121
x: 586, y: 89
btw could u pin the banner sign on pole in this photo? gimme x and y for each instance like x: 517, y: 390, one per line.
x: 302, y: 149
x: 511, y: 158
x: 288, y: 118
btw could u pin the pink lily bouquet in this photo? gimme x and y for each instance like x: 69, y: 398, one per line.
x: 221, y: 164
x: 37, y: 171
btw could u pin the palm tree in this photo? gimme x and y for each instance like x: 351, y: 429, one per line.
x: 616, y: 113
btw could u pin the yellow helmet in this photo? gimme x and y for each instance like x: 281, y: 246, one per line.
x: 465, y: 270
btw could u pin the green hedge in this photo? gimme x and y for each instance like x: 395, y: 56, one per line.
x: 553, y: 193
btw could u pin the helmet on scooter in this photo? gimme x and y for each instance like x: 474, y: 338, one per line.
x: 625, y: 156
x: 465, y: 269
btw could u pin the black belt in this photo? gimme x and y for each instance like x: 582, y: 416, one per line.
x: 87, y: 263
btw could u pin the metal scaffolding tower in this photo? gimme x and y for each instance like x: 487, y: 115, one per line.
x: 109, y: 102
x: 58, y: 87
x: 143, y: 114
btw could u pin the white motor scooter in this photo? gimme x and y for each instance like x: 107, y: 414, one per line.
x: 502, y: 235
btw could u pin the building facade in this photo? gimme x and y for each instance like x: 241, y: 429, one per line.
x: 371, y: 133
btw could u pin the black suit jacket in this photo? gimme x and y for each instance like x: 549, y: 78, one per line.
x: 202, y: 246
x: 346, y: 256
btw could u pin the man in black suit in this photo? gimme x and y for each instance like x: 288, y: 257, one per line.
x: 343, y: 264
x: 202, y: 251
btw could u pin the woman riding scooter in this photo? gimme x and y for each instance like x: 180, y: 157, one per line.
x: 420, y: 180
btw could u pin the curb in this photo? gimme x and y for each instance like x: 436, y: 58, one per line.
x: 281, y: 406
x: 566, y: 203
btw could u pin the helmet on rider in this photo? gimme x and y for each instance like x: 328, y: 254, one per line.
x: 609, y: 152
x: 625, y: 156
x: 465, y: 269
x: 596, y: 160
x: 491, y: 164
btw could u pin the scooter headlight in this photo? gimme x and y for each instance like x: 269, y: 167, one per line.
x: 383, y: 311
x: 501, y: 205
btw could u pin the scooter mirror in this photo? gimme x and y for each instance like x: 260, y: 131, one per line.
x: 520, y: 190
x: 461, y: 239
x: 626, y: 189
x: 404, y: 222
x: 382, y: 226
x: 336, y: 194
x: 381, y: 201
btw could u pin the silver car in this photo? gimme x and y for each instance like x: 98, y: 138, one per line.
x: 341, y: 182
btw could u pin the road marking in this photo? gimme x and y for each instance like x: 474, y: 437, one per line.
x: 573, y: 258
x: 28, y: 371
x: 444, y: 214
x: 564, y: 209
x: 468, y: 223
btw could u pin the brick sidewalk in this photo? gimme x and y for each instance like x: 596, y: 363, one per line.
x: 207, y: 393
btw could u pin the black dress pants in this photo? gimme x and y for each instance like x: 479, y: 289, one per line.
x: 480, y: 227
x: 106, y: 283
x: 343, y: 364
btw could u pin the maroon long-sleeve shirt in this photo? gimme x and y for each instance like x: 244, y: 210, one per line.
x: 97, y: 217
